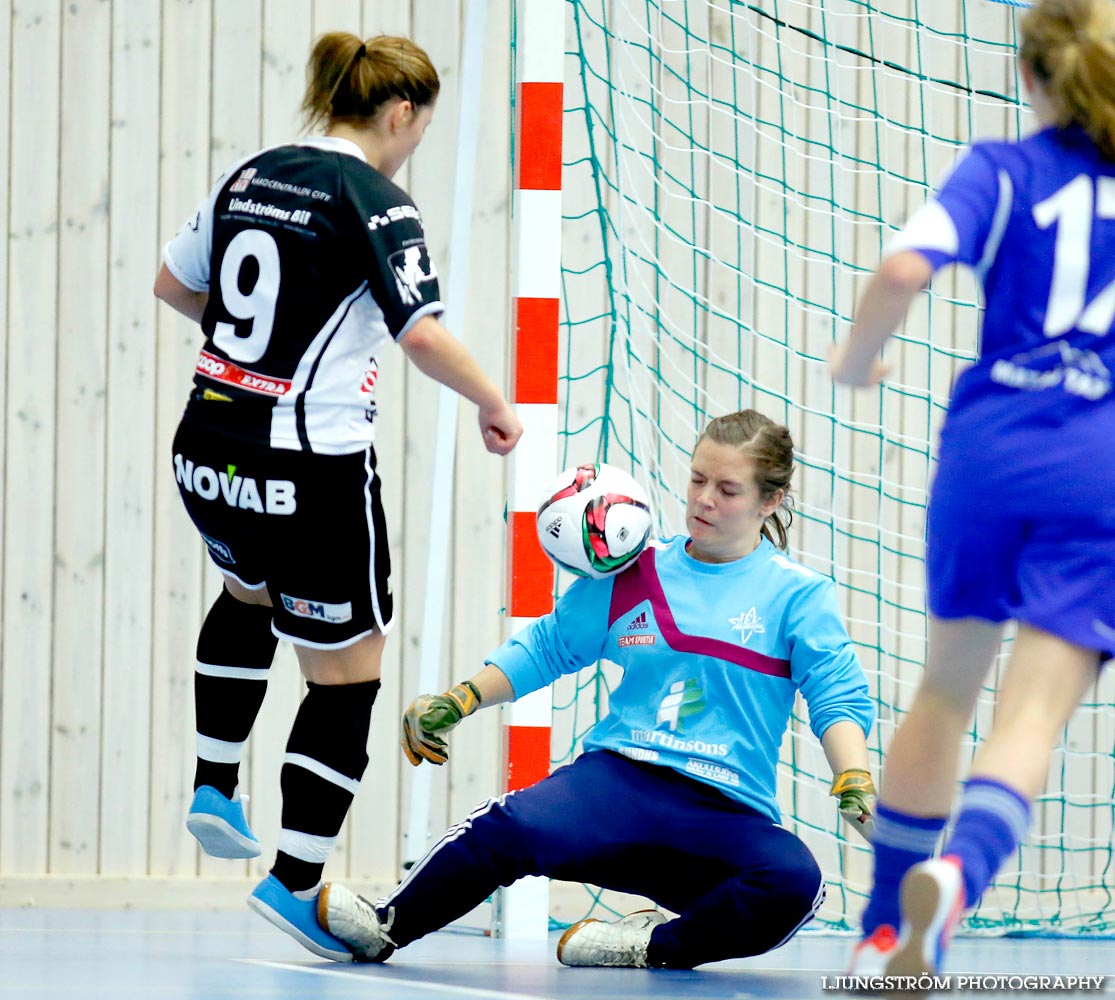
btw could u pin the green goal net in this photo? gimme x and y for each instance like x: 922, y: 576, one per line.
x: 732, y: 173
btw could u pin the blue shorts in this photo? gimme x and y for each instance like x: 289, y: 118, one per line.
x: 1003, y: 544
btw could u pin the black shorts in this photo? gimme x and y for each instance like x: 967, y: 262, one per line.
x: 310, y: 528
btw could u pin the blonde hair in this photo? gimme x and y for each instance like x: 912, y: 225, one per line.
x: 770, y: 446
x: 350, y: 81
x: 1070, y: 46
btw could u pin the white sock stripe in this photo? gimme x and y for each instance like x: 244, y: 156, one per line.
x: 350, y: 785
x: 999, y: 803
x: 219, y: 751
x: 908, y: 838
x: 233, y: 673
x: 306, y: 846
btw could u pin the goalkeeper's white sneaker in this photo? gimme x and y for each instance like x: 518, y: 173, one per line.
x: 352, y: 919
x: 617, y: 944
x: 932, y: 904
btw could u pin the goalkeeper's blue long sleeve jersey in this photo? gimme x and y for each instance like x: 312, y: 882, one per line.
x: 713, y: 656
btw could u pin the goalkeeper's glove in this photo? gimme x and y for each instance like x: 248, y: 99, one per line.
x: 856, y: 792
x: 430, y: 715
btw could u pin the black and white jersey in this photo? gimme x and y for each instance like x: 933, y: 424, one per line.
x: 313, y: 260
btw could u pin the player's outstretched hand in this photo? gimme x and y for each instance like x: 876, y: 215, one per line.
x: 856, y: 792
x: 500, y: 428
x: 429, y: 719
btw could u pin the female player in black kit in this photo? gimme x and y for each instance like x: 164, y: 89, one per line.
x: 302, y: 263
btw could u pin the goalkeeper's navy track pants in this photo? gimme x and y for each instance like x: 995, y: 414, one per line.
x: 740, y: 884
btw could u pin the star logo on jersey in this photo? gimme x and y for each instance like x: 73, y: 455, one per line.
x: 747, y: 624
x: 685, y: 698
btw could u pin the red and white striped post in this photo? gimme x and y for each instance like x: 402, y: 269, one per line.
x: 522, y: 910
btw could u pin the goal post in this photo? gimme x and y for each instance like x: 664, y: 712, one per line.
x: 522, y: 910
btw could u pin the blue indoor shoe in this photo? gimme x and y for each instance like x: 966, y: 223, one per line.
x: 296, y: 913
x: 220, y: 826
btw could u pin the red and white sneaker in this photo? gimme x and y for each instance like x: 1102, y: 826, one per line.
x: 932, y: 900
x: 871, y: 954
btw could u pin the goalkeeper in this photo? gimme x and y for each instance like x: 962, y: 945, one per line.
x: 674, y: 796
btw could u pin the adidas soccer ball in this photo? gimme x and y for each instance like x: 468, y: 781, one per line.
x: 594, y: 521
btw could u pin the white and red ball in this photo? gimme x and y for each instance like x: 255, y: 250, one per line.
x: 594, y: 520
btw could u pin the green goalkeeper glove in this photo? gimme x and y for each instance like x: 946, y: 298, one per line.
x: 856, y: 791
x: 430, y: 715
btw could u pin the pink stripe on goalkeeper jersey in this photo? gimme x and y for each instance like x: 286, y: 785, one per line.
x: 640, y: 583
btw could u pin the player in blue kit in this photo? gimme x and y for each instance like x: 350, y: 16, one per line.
x: 1021, y: 520
x: 674, y: 796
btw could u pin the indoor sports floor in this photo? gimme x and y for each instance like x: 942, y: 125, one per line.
x: 186, y: 955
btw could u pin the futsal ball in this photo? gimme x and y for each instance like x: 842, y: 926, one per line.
x: 594, y: 520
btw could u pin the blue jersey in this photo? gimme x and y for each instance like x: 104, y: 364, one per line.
x: 1035, y: 220
x: 1020, y: 522
x: 712, y: 654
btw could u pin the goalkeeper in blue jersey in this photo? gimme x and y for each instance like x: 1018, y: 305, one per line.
x: 1021, y: 517
x: 674, y: 796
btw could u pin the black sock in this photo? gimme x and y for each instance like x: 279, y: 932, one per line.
x: 325, y: 760
x: 234, y: 654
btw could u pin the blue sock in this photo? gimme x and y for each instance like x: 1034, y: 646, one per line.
x: 901, y: 841
x: 993, y: 821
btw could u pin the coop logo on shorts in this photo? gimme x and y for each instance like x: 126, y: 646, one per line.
x: 241, y: 183
x: 412, y: 267
x: 685, y: 698
x: 318, y: 610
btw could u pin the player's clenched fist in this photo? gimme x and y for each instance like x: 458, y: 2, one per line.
x: 429, y: 719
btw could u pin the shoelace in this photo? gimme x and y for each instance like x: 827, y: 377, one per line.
x: 384, y: 925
